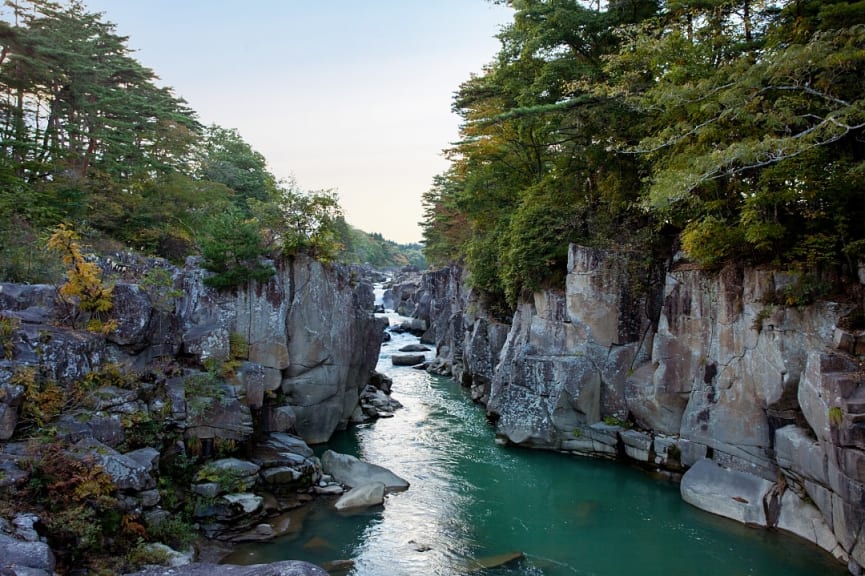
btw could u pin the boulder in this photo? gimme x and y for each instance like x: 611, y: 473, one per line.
x: 127, y: 473
x: 727, y: 493
x: 805, y: 520
x: 36, y: 556
x: 414, y: 348
x: 407, y: 359
x: 353, y: 472
x: 173, y: 558
x: 287, y: 463
x: 132, y: 309
x: 363, y: 496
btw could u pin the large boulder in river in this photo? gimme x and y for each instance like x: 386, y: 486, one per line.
x: 407, y: 359
x: 353, y: 472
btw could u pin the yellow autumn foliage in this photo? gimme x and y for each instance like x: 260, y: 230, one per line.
x: 83, y: 287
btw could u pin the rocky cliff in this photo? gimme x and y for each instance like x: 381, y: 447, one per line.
x: 199, y: 403
x: 760, y: 404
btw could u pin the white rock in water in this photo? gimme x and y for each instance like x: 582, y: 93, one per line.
x: 371, y: 494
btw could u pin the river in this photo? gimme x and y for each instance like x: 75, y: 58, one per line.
x: 471, y: 499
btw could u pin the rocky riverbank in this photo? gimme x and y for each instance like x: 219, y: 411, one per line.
x: 725, y: 380
x: 194, y: 415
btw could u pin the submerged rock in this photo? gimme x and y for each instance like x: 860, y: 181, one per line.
x: 489, y: 562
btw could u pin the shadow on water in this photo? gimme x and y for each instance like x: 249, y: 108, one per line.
x: 472, y: 500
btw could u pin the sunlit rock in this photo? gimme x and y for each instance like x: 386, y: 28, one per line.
x: 362, y: 496
x: 353, y: 472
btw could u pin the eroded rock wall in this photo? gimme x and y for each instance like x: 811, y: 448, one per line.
x: 312, y: 339
x: 674, y: 370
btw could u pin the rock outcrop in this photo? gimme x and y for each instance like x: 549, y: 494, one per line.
x: 227, y: 388
x: 679, y: 370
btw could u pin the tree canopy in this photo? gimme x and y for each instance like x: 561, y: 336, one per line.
x: 88, y: 139
x: 735, y: 126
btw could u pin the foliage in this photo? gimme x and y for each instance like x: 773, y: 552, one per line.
x: 534, y: 170
x: 81, y: 509
x: 23, y: 258
x: 226, y: 158
x: 203, y: 389
x: 359, y: 247
x: 83, y: 288
x: 107, y: 374
x: 301, y: 221
x: 8, y: 327
x: 86, y: 137
x: 43, y: 398
x: 836, y: 416
x: 232, y: 249
x: 737, y: 125
x: 159, y: 285
x: 238, y: 346
x: 177, y: 532
x: 228, y: 479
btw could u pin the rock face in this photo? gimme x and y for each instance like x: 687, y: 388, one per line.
x: 310, y: 333
x: 680, y: 369
x: 190, y: 380
x: 34, y: 558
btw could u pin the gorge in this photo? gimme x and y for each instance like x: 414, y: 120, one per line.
x: 757, y: 402
x: 205, y: 407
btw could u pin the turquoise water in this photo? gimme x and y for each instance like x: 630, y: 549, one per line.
x: 470, y: 499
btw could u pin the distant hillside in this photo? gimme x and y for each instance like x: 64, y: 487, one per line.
x: 359, y: 247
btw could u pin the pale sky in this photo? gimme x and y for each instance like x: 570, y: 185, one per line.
x: 351, y: 95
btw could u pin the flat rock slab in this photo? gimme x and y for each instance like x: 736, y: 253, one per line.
x: 727, y: 493
x: 36, y: 556
x: 289, y: 568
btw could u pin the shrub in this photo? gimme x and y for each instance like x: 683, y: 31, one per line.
x: 8, y: 327
x: 84, y: 288
x: 231, y: 246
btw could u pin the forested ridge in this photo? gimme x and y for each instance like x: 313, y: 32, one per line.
x: 729, y: 129
x: 89, y: 139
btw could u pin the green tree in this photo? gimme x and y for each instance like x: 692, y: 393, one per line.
x: 225, y: 157
x: 534, y: 169
x: 754, y: 128
x: 299, y: 221
x: 232, y: 249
